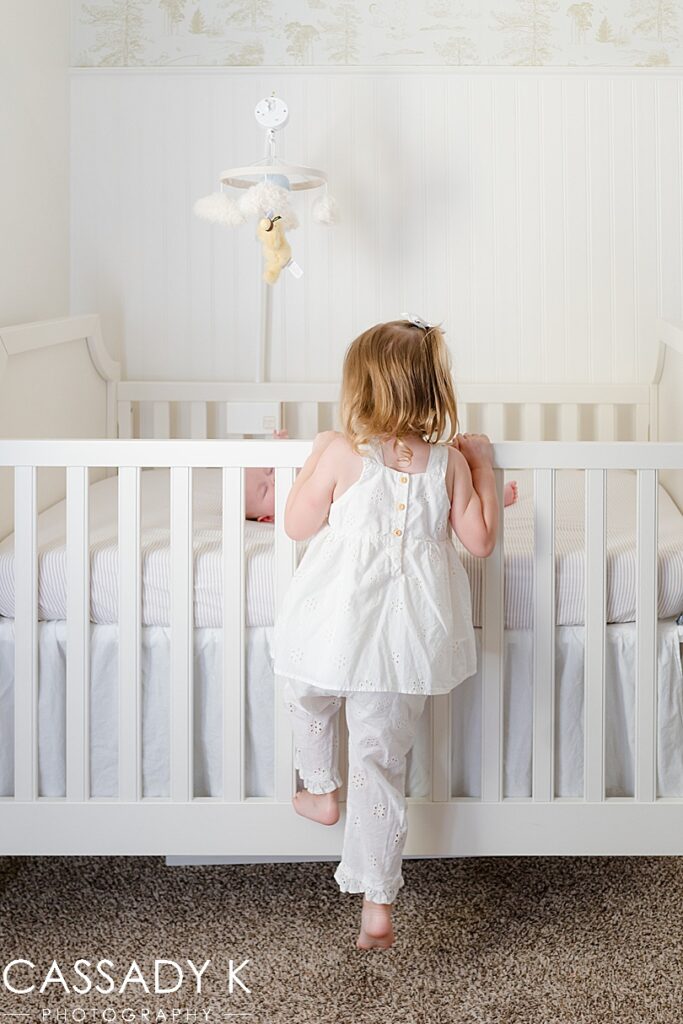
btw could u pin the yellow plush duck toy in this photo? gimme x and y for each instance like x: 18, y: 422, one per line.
x: 276, y: 249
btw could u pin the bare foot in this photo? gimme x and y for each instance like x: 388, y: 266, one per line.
x: 321, y: 807
x: 376, y: 929
x: 510, y: 493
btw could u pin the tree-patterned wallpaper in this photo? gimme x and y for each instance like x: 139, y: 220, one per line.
x: 131, y: 33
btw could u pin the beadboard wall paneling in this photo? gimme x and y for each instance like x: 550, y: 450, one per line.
x: 34, y: 128
x: 538, y: 214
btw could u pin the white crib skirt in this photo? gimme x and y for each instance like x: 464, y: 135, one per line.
x: 466, y: 713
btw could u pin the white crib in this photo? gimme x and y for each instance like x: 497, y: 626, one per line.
x: 57, y: 380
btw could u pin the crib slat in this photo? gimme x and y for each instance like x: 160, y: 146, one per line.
x: 653, y: 414
x: 441, y: 747
x: 495, y: 420
x: 569, y: 422
x: 77, y: 634
x: 233, y: 634
x: 161, y: 419
x: 25, y: 635
x: 533, y: 421
x: 544, y: 633
x: 308, y: 414
x: 130, y: 739
x: 125, y: 419
x: 642, y: 422
x: 646, y: 637
x: 182, y: 633
x: 198, y: 420
x: 594, y: 673
x: 492, y: 646
x: 607, y: 422
x: 463, y: 417
x: 285, y: 564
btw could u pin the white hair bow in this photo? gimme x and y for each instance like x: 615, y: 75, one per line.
x: 417, y: 321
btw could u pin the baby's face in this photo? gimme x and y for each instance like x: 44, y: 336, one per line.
x: 259, y: 498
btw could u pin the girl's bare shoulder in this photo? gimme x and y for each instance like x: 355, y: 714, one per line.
x: 341, y: 464
x: 339, y: 450
x: 338, y: 460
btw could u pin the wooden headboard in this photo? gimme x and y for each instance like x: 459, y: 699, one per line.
x: 56, y: 380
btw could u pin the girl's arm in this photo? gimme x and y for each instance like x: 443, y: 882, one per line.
x: 474, y: 510
x: 310, y: 497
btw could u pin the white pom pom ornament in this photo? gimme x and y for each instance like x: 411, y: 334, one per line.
x: 220, y: 209
x: 325, y: 209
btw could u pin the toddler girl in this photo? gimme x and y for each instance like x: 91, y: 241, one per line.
x: 378, y: 611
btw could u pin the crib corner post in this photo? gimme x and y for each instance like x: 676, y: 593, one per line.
x: 285, y: 564
x: 492, y: 658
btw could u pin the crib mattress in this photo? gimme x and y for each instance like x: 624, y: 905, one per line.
x: 259, y: 552
x: 620, y: 659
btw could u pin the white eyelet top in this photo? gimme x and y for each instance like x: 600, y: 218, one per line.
x: 380, y: 600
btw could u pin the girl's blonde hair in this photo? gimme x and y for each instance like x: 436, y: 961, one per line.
x: 396, y: 381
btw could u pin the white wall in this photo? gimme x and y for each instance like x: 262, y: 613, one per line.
x: 34, y: 167
x: 537, y: 212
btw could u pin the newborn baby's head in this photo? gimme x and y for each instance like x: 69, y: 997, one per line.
x: 259, y: 496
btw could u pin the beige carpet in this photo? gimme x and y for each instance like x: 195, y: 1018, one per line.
x: 491, y: 940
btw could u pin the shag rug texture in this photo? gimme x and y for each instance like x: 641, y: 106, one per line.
x: 547, y: 940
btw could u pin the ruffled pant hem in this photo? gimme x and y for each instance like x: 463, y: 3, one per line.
x: 320, y: 788
x: 347, y: 883
x: 321, y: 780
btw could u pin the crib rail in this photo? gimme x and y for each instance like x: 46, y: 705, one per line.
x: 526, y: 412
x: 131, y: 823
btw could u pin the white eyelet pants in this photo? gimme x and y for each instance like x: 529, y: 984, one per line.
x: 381, y: 730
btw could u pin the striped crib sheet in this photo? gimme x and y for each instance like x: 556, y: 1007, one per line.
x: 621, y: 556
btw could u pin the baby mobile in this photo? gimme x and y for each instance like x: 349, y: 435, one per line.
x: 267, y: 186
